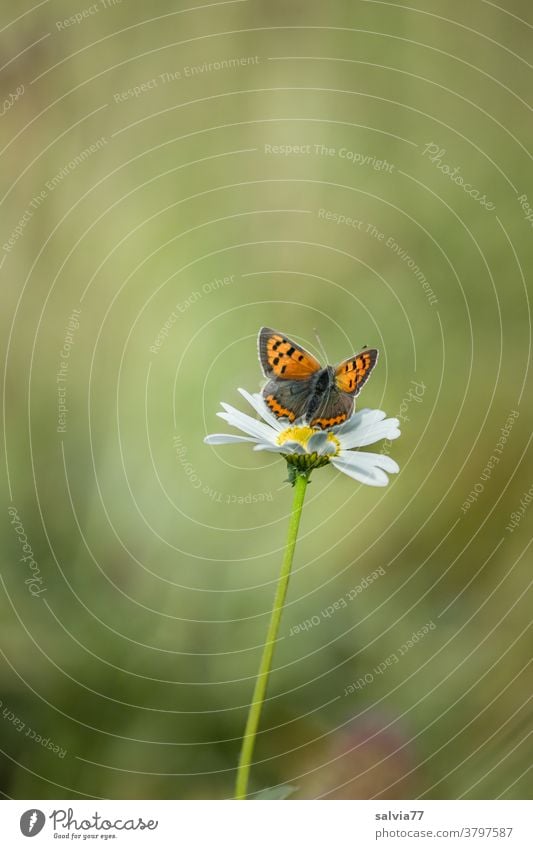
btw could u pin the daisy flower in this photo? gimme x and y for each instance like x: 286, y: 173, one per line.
x: 306, y: 448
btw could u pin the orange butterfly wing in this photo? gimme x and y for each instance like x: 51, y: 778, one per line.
x: 284, y: 359
x: 332, y: 421
x: 352, y: 374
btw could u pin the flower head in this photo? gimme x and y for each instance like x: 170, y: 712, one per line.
x: 306, y: 448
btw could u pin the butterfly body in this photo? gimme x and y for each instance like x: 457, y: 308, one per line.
x: 300, y: 389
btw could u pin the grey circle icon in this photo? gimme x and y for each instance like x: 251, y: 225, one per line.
x: 32, y: 822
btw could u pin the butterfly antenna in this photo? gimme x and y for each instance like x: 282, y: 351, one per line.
x: 320, y: 345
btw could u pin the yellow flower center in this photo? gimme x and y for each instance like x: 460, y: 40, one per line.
x: 302, y: 434
x: 296, y: 434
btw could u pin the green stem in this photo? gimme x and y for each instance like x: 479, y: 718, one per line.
x: 258, y: 698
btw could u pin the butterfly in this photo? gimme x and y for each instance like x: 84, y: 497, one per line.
x: 299, y: 387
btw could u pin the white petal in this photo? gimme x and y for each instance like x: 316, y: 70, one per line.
x: 317, y: 442
x: 289, y: 447
x: 247, y: 424
x: 383, y: 461
x: 365, y: 466
x: 256, y: 401
x: 292, y: 447
x: 274, y: 449
x: 360, y: 419
x: 225, y: 439
x: 372, y: 477
x: 366, y: 434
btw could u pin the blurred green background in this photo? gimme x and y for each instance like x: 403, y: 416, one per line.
x: 155, y: 214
